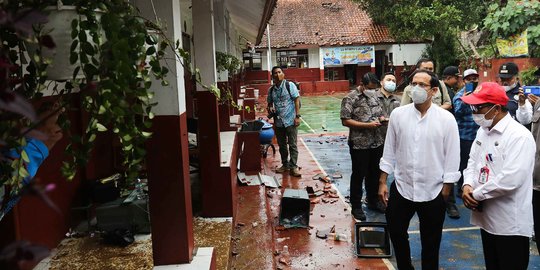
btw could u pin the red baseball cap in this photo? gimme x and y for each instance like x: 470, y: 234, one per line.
x: 488, y: 92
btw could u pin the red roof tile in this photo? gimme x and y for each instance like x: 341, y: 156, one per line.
x: 323, y: 23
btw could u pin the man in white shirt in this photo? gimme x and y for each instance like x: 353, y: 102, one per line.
x: 498, y: 179
x: 529, y: 112
x: 422, y: 150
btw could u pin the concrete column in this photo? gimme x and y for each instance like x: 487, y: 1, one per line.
x: 219, y: 34
x: 321, y: 65
x: 204, y: 41
x: 212, y: 179
x: 168, y: 159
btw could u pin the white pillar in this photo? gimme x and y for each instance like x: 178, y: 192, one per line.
x: 219, y: 34
x: 269, y: 53
x: 171, y: 99
x: 203, y: 42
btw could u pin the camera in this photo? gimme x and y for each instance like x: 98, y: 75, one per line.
x: 534, y: 89
x: 271, y: 115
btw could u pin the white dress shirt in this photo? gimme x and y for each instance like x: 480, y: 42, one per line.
x: 524, y: 113
x: 422, y: 152
x: 508, y: 152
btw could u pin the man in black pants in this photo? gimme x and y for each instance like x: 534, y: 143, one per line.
x: 361, y: 113
x: 422, y: 150
x: 497, y: 184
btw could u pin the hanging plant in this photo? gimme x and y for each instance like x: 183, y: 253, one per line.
x: 115, y: 54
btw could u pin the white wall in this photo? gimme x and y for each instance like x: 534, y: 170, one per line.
x: 314, y: 58
x: 265, y: 59
x: 404, y: 52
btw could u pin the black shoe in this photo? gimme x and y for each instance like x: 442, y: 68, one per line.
x: 452, y: 211
x: 358, y: 213
x: 379, y: 207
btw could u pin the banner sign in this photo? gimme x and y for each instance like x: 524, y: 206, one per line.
x: 515, y: 46
x: 362, y: 55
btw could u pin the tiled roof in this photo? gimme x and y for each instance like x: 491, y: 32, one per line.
x: 323, y: 23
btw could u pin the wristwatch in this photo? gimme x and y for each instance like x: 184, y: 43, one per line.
x: 298, y: 116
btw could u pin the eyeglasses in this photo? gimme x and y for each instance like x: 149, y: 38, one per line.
x: 421, y: 84
x: 477, y: 108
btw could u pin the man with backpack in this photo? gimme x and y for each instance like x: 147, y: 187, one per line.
x: 284, y: 105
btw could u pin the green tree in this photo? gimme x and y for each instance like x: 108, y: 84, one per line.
x: 438, y: 21
x: 505, y: 20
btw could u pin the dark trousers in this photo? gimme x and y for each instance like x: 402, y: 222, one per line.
x: 505, y: 251
x: 536, y: 214
x: 431, y: 215
x: 465, y: 150
x: 365, y: 164
x: 286, y: 138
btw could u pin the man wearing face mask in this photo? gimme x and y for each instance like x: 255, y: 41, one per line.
x: 441, y: 97
x: 387, y: 97
x: 529, y: 112
x: 467, y: 132
x: 498, y: 180
x: 362, y: 114
x: 508, y: 78
x: 451, y: 79
x: 422, y: 151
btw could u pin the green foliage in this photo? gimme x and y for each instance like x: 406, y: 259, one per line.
x: 437, y: 20
x: 117, y: 54
x: 227, y: 62
x: 514, y: 18
x: 443, y: 50
x: 417, y: 19
x: 528, y: 77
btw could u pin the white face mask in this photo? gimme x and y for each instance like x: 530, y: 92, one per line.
x: 370, y: 92
x: 419, y: 95
x: 509, y: 87
x: 480, y: 119
x: 390, y: 86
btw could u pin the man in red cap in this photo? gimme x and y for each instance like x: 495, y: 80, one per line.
x: 498, y: 179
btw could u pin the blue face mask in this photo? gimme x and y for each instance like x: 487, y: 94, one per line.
x: 389, y: 86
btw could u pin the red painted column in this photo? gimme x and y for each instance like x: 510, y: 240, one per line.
x: 170, y: 191
x: 209, y: 154
x: 321, y: 74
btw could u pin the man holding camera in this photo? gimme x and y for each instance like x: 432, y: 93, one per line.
x: 284, y: 105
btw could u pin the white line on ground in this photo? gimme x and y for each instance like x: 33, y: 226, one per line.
x: 452, y: 230
x: 385, y: 261
x: 312, y: 131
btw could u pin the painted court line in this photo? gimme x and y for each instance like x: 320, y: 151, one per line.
x: 452, y: 230
x: 385, y: 261
x: 312, y: 131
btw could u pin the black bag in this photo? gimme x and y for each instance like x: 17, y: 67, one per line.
x: 288, y: 86
x: 119, y: 237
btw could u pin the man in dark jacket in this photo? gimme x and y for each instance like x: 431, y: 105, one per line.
x: 508, y: 78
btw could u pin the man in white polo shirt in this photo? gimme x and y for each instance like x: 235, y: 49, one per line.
x: 422, y: 150
x: 497, y: 184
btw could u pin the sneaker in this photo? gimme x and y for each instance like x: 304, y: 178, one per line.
x: 295, y: 172
x: 358, y: 213
x: 379, y: 207
x: 452, y: 211
x: 282, y: 169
